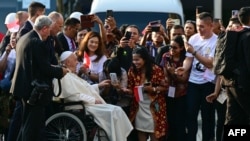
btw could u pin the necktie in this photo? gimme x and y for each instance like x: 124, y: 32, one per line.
x: 73, y: 45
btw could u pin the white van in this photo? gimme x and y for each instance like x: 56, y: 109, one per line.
x: 139, y: 12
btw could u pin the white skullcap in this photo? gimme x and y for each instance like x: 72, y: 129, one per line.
x: 11, y: 22
x: 76, y: 15
x: 65, y: 55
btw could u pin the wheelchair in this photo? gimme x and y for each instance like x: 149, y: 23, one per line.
x: 73, y: 125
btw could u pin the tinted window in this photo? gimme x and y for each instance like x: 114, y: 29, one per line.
x: 141, y: 19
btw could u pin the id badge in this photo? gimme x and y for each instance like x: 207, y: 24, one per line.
x: 171, y: 91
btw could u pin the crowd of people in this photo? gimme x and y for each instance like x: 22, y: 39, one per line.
x: 173, y: 66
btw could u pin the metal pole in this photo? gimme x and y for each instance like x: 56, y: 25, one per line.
x: 218, y: 9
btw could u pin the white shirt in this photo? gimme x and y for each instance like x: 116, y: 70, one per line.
x: 204, y: 47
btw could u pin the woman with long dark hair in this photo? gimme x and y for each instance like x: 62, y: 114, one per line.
x: 149, y: 113
x: 176, y: 95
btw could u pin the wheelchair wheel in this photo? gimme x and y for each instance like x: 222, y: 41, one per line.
x: 65, y: 127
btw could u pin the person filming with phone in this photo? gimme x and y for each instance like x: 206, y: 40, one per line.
x: 127, y: 44
x: 158, y: 36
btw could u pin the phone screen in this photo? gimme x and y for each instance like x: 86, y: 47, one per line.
x: 235, y: 13
x: 113, y: 78
x: 109, y: 13
x: 127, y: 35
x: 176, y: 21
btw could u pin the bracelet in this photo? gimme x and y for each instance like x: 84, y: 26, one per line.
x: 194, y: 53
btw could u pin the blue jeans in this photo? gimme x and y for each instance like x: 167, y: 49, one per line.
x: 196, y: 100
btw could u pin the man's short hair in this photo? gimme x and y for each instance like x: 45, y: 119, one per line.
x: 71, y: 22
x: 244, y: 15
x: 34, y: 7
x: 55, y: 16
x: 42, y: 21
x: 205, y: 16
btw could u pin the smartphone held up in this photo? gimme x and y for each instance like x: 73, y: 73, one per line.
x: 86, y: 21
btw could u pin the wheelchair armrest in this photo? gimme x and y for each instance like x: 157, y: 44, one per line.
x: 73, y: 103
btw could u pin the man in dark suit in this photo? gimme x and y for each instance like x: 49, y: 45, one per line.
x: 35, y: 9
x: 238, y: 104
x: 52, y: 40
x: 32, y: 63
x: 67, y: 37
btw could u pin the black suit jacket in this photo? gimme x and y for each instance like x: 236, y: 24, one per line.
x: 30, y: 47
x: 27, y: 27
x: 63, y: 44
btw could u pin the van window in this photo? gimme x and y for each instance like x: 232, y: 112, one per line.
x: 141, y: 19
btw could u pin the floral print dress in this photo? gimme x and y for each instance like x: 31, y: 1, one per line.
x: 158, y: 102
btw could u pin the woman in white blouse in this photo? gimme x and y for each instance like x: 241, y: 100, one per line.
x: 91, y: 57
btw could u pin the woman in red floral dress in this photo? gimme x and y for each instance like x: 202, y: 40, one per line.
x: 148, y: 115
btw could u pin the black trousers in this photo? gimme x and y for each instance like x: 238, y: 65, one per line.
x: 237, y: 107
x: 33, y: 123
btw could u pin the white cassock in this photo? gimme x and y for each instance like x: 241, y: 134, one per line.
x: 110, y: 117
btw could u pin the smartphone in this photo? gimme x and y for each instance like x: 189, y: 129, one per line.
x: 127, y: 35
x: 86, y: 21
x: 176, y: 21
x: 235, y: 13
x: 113, y: 78
x: 155, y: 22
x: 109, y: 13
x: 155, y: 28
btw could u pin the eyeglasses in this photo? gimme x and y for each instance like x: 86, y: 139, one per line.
x: 173, y: 47
x: 191, y: 21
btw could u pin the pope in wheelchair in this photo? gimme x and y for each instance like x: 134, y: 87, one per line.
x: 73, y: 88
